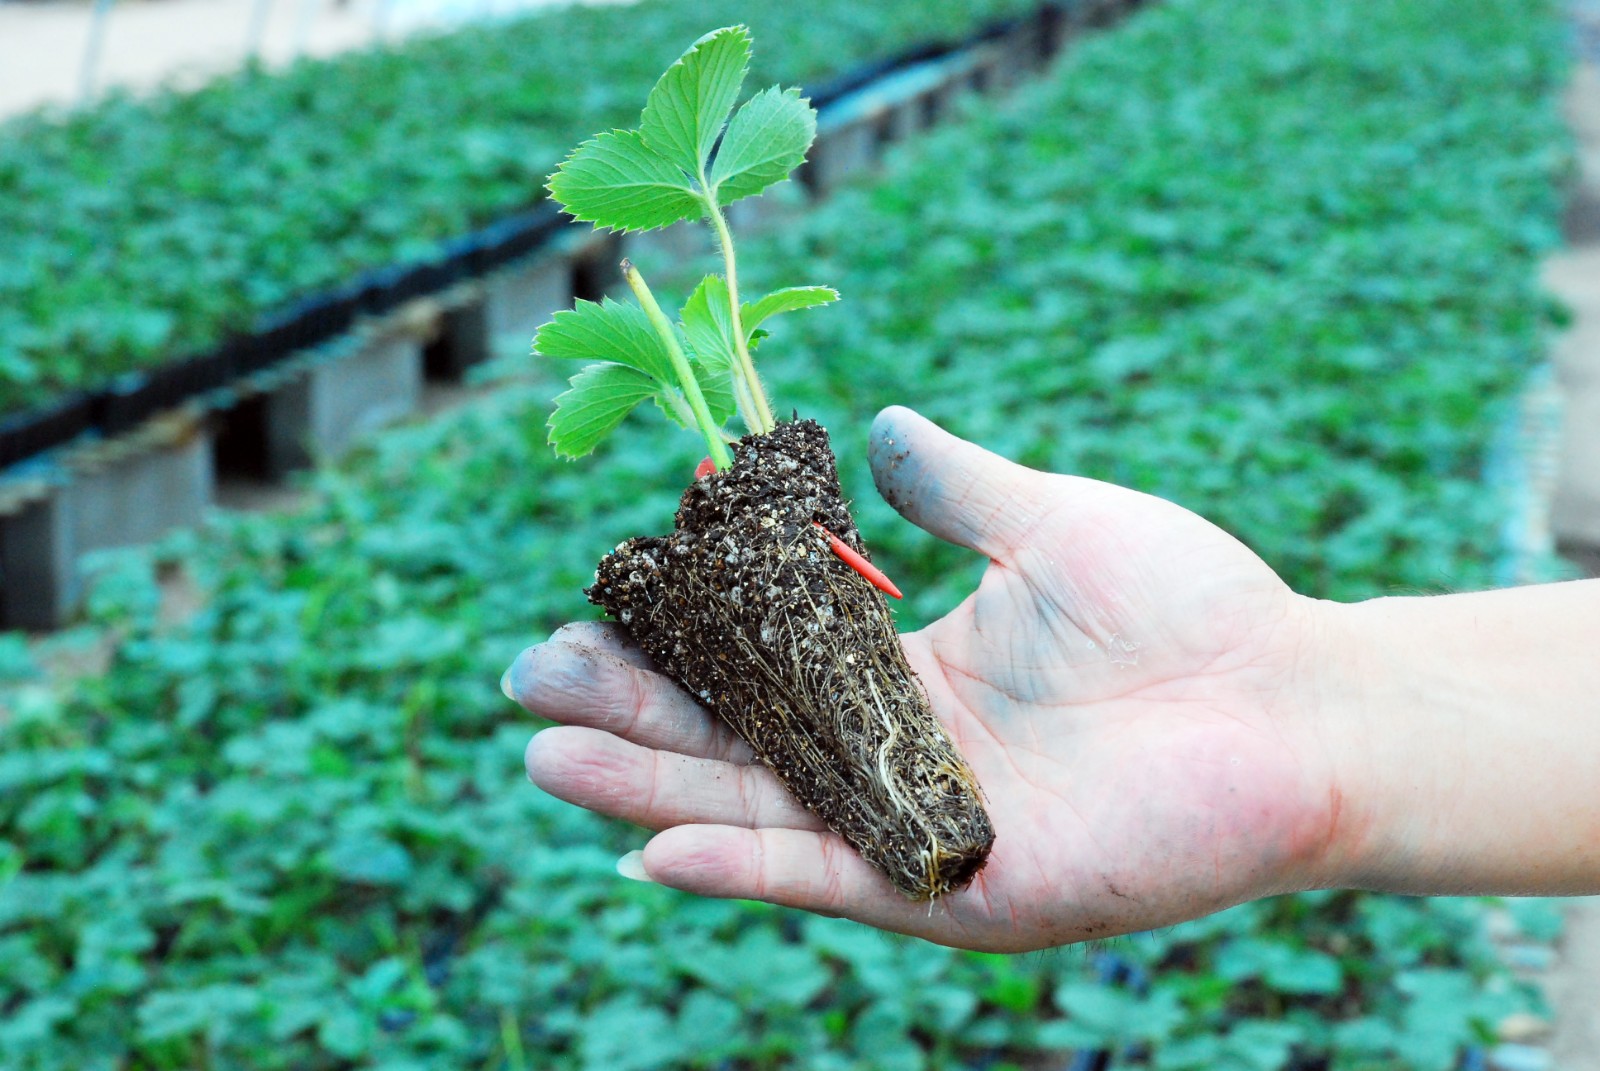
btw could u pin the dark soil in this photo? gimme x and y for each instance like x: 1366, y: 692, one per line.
x: 746, y: 606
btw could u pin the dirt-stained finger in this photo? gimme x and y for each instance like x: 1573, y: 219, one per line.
x: 954, y: 489
x: 808, y: 869
x: 657, y: 789
x: 577, y: 684
x: 607, y: 636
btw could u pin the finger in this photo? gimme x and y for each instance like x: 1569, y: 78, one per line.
x: 812, y: 870
x: 954, y: 489
x: 580, y: 685
x: 657, y: 789
x: 607, y: 636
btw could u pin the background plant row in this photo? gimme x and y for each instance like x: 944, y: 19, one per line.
x: 1277, y: 264
x: 144, y: 230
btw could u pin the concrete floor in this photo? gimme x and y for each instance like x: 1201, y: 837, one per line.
x: 1574, y: 991
x: 1574, y: 277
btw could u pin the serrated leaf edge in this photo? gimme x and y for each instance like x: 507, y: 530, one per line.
x: 688, y: 186
x: 688, y: 54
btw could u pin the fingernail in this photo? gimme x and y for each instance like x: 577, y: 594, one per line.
x: 505, y: 683
x: 631, y: 866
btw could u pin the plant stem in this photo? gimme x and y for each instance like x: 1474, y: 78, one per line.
x: 680, y: 364
x: 761, y: 419
x: 511, y: 1041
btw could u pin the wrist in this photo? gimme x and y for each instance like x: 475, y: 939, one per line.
x: 1356, y: 699
x: 1460, y: 741
x: 1332, y: 695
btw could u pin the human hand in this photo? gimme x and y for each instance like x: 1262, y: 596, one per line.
x: 1131, y: 685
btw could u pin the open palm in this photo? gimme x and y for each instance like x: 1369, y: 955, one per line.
x: 1128, y: 682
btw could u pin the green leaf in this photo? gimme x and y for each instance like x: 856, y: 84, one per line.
x: 1305, y: 971
x: 606, y: 331
x: 182, y: 1013
x: 625, y: 1034
x: 708, y: 323
x: 599, y: 398
x: 766, y: 140
x: 788, y: 299
x: 1118, y: 1015
x: 717, y: 389
x: 616, y: 181
x: 1260, y: 1045
x: 685, y: 111
x: 369, y: 859
x: 620, y: 334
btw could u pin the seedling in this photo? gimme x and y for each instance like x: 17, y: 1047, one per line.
x: 761, y: 602
x: 673, y: 168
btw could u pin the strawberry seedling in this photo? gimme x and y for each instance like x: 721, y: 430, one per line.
x: 761, y: 602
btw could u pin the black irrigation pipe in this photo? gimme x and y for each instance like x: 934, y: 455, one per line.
x: 134, y: 397
x: 830, y: 92
x: 34, y: 431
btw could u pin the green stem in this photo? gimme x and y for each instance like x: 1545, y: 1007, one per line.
x: 511, y: 1041
x: 680, y: 364
x: 762, y: 421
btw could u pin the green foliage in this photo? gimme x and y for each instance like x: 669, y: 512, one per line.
x: 142, y: 230
x: 638, y: 368
x: 687, y: 109
x: 597, y: 399
x: 292, y: 830
x: 766, y: 140
x: 615, y: 179
x: 788, y: 299
x: 708, y: 322
x: 1299, y: 269
x: 639, y: 180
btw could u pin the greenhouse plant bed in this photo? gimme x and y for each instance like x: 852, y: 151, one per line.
x: 280, y: 333
x: 826, y: 94
x: 22, y: 435
x: 670, y: 245
x: 910, y: 95
x: 121, y: 493
x: 596, y: 264
x: 462, y: 340
x: 513, y: 237
x: 847, y: 146
x: 853, y: 128
x: 132, y: 399
x: 366, y: 747
x: 357, y: 385
x: 393, y: 286
x: 522, y: 296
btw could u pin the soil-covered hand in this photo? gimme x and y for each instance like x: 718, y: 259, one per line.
x: 1128, y: 681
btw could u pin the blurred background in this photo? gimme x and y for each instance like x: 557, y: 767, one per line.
x: 67, y: 53
x: 277, y: 508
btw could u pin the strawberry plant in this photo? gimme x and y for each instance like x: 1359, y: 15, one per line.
x: 679, y: 165
x: 761, y: 602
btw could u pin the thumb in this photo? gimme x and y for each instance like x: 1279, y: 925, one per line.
x: 954, y: 489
